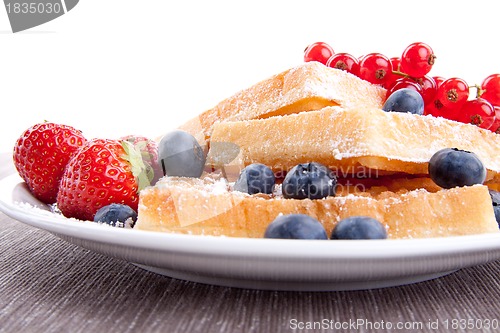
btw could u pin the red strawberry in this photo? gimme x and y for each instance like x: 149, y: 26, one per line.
x: 102, y: 172
x: 41, y: 154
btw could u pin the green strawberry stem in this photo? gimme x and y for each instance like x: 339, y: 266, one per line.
x: 143, y: 172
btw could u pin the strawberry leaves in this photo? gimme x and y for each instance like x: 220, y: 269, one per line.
x: 142, y: 171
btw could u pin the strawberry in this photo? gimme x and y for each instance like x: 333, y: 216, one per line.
x: 41, y: 154
x: 149, y: 152
x: 103, y: 172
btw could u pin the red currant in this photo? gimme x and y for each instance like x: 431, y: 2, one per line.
x: 478, y: 112
x: 439, y: 80
x: 417, y: 59
x: 443, y: 112
x: 391, y: 77
x: 395, y: 62
x: 431, y: 109
x: 491, y: 87
x: 495, y: 127
x: 344, y: 61
x: 429, y: 88
x: 452, y: 94
x: 319, y: 51
x: 404, y: 82
x: 374, y: 68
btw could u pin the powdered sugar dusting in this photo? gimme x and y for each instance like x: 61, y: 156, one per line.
x: 46, y: 210
x: 310, y: 80
x: 389, y: 141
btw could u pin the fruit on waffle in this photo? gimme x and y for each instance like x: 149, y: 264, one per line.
x: 318, y: 136
x: 349, y: 140
x: 376, y: 165
x: 210, y: 206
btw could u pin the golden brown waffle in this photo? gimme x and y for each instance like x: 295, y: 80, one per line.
x: 360, y: 141
x: 310, y: 86
x: 313, y: 113
x: 209, y: 207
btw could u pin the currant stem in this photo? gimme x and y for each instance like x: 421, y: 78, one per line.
x: 479, y: 90
x: 398, y: 72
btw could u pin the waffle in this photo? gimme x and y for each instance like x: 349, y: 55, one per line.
x: 308, y: 87
x: 312, y: 113
x: 349, y: 141
x: 210, y: 207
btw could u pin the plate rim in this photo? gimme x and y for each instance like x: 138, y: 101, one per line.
x: 258, y: 263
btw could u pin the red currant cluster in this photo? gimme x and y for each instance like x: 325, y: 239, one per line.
x: 447, y: 98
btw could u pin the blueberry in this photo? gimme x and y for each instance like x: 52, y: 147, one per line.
x: 116, y: 215
x: 255, y: 178
x: 495, y: 197
x: 359, y: 227
x: 180, y: 155
x: 295, y: 226
x: 451, y: 167
x: 405, y: 100
x: 309, y: 180
x: 495, y: 200
x: 496, y: 210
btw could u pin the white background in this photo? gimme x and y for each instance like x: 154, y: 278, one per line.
x: 118, y: 67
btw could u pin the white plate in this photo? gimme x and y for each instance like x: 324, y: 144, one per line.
x: 261, y: 263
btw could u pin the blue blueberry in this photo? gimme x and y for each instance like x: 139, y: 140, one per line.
x: 405, y: 100
x: 180, y: 155
x: 495, y: 200
x: 452, y: 167
x: 359, y: 227
x: 116, y: 215
x: 309, y: 180
x: 295, y: 226
x: 256, y: 178
x: 496, y: 210
x: 495, y: 197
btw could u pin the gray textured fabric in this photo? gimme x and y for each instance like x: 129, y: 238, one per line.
x: 49, y: 285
